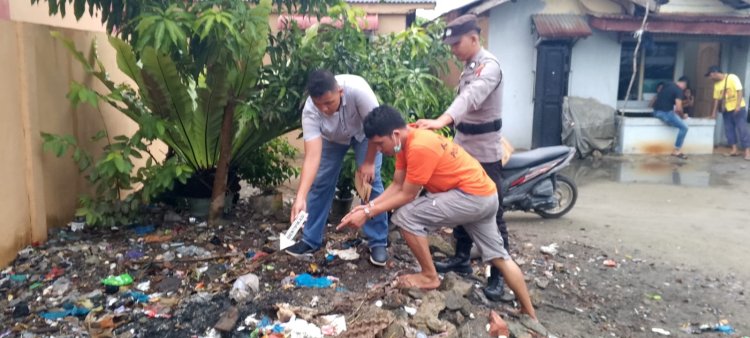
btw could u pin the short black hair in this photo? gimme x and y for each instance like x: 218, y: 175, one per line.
x: 382, y: 121
x: 321, y: 81
x: 684, y: 79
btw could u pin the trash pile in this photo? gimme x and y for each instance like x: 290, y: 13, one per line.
x: 181, y: 278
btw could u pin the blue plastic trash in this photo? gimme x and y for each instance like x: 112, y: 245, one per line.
x: 728, y: 329
x: 265, y: 321
x: 75, y: 311
x: 19, y: 278
x: 138, y: 297
x: 144, y: 230
x: 306, y: 280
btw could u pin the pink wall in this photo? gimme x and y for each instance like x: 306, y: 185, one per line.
x: 4, y: 10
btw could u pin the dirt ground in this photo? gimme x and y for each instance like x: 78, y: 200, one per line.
x: 673, y: 232
x: 686, y: 220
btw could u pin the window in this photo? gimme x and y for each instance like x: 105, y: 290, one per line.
x: 656, y: 63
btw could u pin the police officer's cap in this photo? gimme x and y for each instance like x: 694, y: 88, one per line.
x: 464, y: 24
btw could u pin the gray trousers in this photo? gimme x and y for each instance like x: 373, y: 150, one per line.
x: 453, y: 208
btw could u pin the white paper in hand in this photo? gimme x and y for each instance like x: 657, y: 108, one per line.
x: 287, y: 239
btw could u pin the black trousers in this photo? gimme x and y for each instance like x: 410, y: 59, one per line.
x: 493, y: 170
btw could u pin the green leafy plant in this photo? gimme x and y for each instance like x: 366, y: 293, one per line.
x: 345, y: 184
x: 112, y: 172
x: 402, y: 68
x: 199, y: 75
x: 270, y: 165
x: 216, y: 100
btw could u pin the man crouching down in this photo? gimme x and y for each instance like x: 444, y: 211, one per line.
x: 459, y: 192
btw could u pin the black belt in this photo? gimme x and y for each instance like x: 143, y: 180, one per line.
x: 480, y: 128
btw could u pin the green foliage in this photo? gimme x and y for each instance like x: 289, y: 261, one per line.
x: 119, y: 15
x: 345, y: 184
x: 402, y: 69
x: 112, y: 172
x: 193, y: 60
x: 270, y: 165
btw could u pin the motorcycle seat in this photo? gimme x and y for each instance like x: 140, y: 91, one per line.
x: 535, y: 157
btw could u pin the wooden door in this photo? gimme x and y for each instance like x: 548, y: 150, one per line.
x: 703, y: 87
x: 553, y: 66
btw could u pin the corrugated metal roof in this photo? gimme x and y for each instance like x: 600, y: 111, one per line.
x: 675, y: 24
x: 391, y: 1
x: 561, y: 26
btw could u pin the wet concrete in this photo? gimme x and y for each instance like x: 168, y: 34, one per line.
x: 696, y: 171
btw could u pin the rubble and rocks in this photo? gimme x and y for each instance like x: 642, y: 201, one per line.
x: 180, y: 279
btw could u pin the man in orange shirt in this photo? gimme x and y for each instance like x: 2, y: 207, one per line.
x: 459, y: 192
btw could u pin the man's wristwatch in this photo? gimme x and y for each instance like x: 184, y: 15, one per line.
x: 367, y: 212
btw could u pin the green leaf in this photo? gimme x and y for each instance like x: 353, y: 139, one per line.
x: 68, y: 43
x: 78, y: 8
x: 169, y: 98
x: 99, y: 135
x: 126, y: 60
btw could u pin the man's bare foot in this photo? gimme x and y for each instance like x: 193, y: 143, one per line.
x: 419, y: 281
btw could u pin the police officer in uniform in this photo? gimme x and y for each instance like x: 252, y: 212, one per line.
x: 475, y: 115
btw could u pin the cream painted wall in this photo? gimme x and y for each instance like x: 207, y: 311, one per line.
x: 562, y: 7
x: 22, y: 11
x: 41, y: 190
x: 599, y: 6
x: 15, y: 202
x: 391, y: 23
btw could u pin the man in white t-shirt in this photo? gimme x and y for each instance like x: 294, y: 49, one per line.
x: 331, y: 124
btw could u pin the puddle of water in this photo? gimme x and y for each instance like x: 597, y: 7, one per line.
x: 698, y: 171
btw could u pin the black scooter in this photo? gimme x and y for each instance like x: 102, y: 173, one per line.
x: 531, y: 182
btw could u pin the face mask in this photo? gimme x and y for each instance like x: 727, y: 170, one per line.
x: 397, y: 148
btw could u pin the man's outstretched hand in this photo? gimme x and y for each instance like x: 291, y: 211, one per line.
x: 354, y: 219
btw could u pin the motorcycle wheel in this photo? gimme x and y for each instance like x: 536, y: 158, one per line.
x: 566, y: 193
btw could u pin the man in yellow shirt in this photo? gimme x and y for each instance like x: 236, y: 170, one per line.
x: 729, y: 100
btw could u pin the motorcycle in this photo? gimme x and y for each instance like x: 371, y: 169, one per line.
x: 531, y: 182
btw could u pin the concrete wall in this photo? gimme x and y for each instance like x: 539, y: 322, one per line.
x: 711, y: 7
x: 40, y: 190
x: 510, y: 39
x: 595, y: 68
x: 648, y: 135
x: 20, y: 206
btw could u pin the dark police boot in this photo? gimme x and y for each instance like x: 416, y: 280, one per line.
x: 458, y: 263
x: 495, y: 286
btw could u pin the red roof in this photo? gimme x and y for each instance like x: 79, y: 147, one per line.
x: 561, y: 26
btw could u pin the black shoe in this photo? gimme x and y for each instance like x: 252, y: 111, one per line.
x: 458, y: 264
x: 495, y: 288
x: 378, y: 255
x: 300, y: 249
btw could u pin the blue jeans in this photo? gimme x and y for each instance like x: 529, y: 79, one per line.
x: 735, y: 124
x: 671, y: 119
x: 320, y: 197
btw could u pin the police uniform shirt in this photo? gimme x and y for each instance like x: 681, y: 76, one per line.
x: 357, y: 101
x: 479, y: 101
